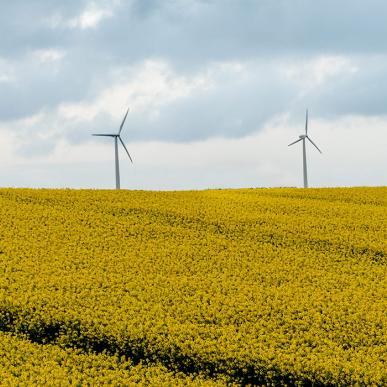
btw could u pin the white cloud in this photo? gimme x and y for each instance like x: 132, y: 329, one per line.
x: 7, y: 73
x: 145, y: 88
x: 92, y: 15
x: 49, y: 55
x: 8, y: 143
x: 4, y: 78
x: 312, y: 73
x: 89, y: 17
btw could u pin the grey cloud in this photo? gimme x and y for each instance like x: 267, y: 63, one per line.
x: 190, y: 35
x: 42, y: 86
x: 219, y: 30
x: 186, y: 31
x: 363, y: 93
x: 232, y: 109
x: 24, y: 25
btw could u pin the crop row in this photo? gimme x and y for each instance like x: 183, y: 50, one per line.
x: 23, y: 363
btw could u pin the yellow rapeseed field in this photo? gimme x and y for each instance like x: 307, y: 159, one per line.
x: 23, y: 363
x: 217, y: 287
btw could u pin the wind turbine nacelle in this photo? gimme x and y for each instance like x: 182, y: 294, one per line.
x: 302, y: 136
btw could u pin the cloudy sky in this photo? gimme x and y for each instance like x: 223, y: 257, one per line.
x: 217, y: 89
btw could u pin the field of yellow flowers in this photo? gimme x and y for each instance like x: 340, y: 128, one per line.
x: 217, y: 287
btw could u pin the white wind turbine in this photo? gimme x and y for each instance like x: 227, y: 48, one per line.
x: 116, y: 138
x: 302, y: 138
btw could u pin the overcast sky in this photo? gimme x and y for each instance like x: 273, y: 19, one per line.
x: 217, y: 89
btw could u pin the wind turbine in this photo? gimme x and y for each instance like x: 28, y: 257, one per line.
x: 302, y: 138
x: 116, y: 138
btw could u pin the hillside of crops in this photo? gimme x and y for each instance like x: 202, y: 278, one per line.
x: 217, y: 287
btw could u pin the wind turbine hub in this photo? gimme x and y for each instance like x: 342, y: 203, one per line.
x: 302, y: 136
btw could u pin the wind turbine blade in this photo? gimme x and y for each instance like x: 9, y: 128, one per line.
x: 125, y: 148
x: 123, y: 121
x: 295, y: 141
x: 306, y: 123
x: 313, y: 144
x: 104, y: 135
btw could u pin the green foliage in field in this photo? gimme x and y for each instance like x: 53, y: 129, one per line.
x: 257, y: 286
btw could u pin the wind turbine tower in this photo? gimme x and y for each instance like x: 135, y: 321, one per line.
x: 302, y: 138
x: 116, y: 138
